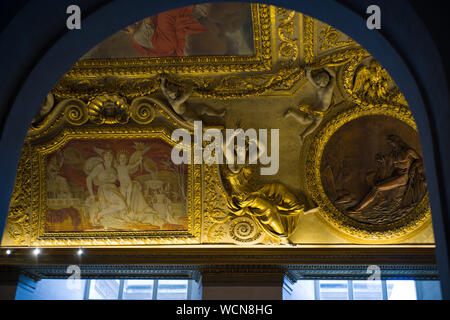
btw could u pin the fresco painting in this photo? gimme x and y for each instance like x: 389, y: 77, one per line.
x: 211, y: 29
x: 119, y: 185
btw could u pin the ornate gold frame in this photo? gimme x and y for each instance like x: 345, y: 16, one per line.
x: 260, y: 61
x: 109, y: 238
x: 344, y: 225
x: 287, y: 40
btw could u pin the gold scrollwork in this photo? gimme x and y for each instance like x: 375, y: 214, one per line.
x: 288, y: 48
x: 344, y: 225
x: 239, y: 86
x: 244, y: 230
x: 332, y: 39
x: 76, y: 113
x: 143, y: 111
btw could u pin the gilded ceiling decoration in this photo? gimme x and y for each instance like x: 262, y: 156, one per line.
x: 96, y: 166
x: 369, y: 180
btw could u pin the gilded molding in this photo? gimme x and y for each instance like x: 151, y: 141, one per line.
x: 309, y: 39
x: 331, y: 39
x: 215, y: 195
x: 288, y: 48
x: 18, y: 221
x: 220, y: 83
x: 101, y: 238
x: 260, y: 61
x: 142, y: 110
x: 105, y: 109
x: 29, y: 201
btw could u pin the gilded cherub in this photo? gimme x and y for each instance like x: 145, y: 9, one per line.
x: 45, y: 109
x: 177, y: 97
x: 311, y: 116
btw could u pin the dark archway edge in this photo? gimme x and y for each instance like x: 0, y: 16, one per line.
x: 37, y: 49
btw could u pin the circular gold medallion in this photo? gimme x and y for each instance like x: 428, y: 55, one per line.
x: 365, y: 170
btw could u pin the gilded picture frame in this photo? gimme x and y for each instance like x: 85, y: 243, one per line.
x: 261, y: 60
x: 340, y: 223
x: 41, y: 237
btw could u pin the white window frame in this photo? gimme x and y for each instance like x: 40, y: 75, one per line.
x: 122, y: 286
x: 350, y: 294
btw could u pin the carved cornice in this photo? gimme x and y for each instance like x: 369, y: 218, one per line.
x: 217, y: 256
x: 359, y: 272
x: 224, y: 275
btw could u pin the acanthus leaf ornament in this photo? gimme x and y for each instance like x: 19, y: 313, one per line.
x: 18, y: 221
x: 261, y: 60
x: 333, y: 39
x: 288, y: 48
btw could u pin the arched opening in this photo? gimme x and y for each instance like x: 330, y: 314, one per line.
x: 421, y: 80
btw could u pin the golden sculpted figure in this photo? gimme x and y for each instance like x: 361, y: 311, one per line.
x: 407, y: 171
x: 177, y: 97
x: 323, y: 82
x: 372, y: 81
x: 273, y: 207
x: 45, y: 109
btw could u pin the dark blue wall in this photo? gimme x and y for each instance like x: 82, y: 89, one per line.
x: 37, y: 50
